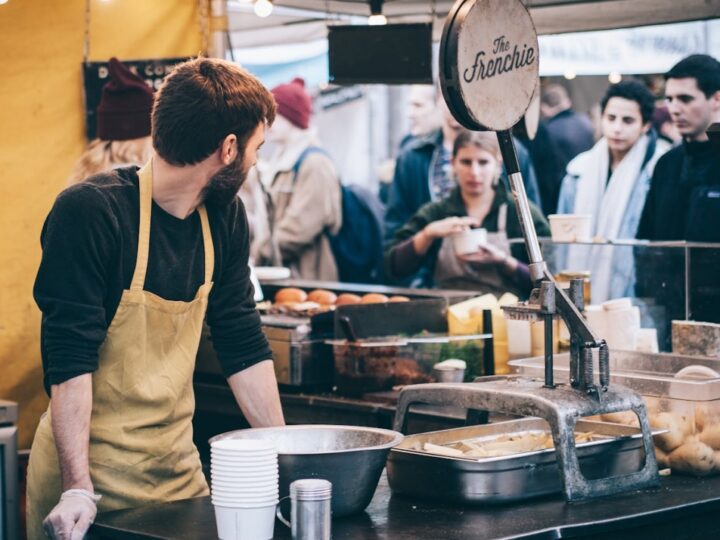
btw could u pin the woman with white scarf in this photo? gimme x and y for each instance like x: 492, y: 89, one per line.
x: 610, y: 182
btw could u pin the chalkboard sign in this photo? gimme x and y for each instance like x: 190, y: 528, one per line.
x: 96, y: 74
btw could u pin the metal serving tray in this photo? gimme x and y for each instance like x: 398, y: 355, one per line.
x: 507, y: 478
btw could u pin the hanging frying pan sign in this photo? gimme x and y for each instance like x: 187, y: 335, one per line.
x: 489, y: 61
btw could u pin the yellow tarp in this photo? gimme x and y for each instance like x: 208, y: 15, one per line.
x: 41, y: 135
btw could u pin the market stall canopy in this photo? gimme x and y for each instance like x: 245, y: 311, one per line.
x: 305, y: 20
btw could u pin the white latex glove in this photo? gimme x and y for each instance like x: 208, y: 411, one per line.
x: 72, y: 516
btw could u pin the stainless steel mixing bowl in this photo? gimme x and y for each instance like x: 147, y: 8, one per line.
x: 350, y: 457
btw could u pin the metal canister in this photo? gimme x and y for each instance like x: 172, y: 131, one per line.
x: 310, y: 509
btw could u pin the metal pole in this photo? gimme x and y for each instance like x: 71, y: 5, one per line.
x: 507, y: 148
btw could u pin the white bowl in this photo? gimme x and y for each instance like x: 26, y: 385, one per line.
x: 570, y: 227
x: 244, y: 488
x: 230, y: 462
x: 243, y: 445
x: 469, y: 241
x: 246, y: 502
x: 238, y: 474
x: 242, y: 466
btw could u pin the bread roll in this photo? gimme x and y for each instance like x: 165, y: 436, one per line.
x: 678, y: 428
x: 399, y: 299
x: 290, y: 295
x: 693, y: 457
x: 347, y: 299
x: 322, y: 297
x: 374, y: 298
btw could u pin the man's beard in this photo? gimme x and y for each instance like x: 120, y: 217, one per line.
x: 225, y: 184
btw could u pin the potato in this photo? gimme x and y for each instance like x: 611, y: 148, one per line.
x: 711, y: 436
x: 627, y: 418
x: 678, y: 428
x: 662, y: 458
x: 706, y: 416
x: 693, y: 457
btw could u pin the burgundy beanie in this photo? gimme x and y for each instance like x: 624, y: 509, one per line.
x: 125, y: 105
x: 293, y: 102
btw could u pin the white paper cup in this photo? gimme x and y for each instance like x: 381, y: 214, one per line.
x: 469, y: 241
x: 243, y: 445
x: 245, y: 523
x: 570, y: 227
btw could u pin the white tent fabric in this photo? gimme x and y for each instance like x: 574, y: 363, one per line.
x: 550, y: 16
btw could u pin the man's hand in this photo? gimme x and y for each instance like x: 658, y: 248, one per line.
x: 72, y: 516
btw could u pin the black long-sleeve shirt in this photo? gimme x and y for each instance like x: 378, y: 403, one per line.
x: 89, y: 243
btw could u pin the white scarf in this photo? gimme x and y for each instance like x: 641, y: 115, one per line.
x: 606, y: 202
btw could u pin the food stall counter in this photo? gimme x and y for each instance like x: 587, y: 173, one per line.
x: 682, y: 507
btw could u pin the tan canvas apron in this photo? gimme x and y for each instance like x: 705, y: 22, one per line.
x: 141, y: 447
x: 452, y: 273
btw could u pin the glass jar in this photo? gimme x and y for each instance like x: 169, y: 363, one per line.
x: 564, y: 277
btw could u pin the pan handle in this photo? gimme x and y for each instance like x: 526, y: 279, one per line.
x: 461, y: 395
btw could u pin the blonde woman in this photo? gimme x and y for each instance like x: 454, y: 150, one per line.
x: 123, y: 125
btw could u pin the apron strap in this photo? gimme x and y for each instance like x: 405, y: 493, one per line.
x: 207, y: 243
x: 145, y: 179
x: 138, y: 280
x: 502, y: 217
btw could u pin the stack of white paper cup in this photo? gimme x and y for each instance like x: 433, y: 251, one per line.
x: 244, y: 486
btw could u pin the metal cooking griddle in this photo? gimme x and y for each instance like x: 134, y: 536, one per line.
x: 489, y: 60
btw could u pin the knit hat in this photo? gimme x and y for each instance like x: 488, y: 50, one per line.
x: 293, y: 102
x: 125, y: 105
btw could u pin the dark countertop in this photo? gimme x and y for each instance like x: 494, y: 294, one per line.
x: 681, y: 508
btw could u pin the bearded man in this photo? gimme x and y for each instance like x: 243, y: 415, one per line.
x: 133, y: 260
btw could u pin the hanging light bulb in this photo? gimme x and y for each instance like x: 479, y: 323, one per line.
x: 376, y: 17
x: 614, y: 77
x: 569, y: 74
x: 263, y: 8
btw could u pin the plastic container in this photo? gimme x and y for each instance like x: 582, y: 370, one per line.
x: 570, y: 227
x: 684, y: 401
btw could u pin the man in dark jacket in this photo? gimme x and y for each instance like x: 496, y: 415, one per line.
x: 570, y: 132
x: 684, y: 198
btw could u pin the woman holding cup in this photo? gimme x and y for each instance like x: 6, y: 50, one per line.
x: 461, y: 242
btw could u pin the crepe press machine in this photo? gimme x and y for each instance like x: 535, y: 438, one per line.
x: 488, y: 75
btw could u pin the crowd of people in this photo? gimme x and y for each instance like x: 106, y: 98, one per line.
x: 652, y: 174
